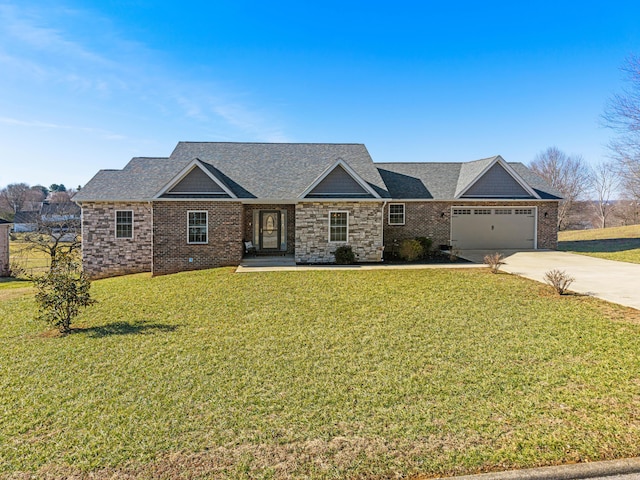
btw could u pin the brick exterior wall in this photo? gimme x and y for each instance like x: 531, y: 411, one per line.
x: 421, y: 219
x: 4, y: 249
x: 424, y: 219
x: 104, y: 255
x: 312, y: 231
x: 291, y: 223
x: 547, y: 226
x: 172, y: 253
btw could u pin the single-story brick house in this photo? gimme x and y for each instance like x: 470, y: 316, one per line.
x: 195, y: 209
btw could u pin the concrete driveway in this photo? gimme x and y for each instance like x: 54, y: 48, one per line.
x: 616, y: 282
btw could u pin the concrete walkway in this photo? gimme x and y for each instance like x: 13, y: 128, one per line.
x: 368, y: 266
x: 287, y: 263
x: 616, y: 282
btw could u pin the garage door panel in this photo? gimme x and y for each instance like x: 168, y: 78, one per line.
x: 493, y: 228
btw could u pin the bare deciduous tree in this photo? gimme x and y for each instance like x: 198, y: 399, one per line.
x: 604, y: 181
x: 60, y: 197
x: 622, y: 115
x: 15, y: 196
x: 57, y: 231
x: 628, y: 211
x: 568, y: 174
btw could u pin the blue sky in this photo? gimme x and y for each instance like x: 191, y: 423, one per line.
x: 86, y: 85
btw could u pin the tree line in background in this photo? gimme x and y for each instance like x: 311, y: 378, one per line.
x: 20, y: 197
x: 588, y: 191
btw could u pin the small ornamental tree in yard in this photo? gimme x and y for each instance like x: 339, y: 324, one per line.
x: 61, y: 293
x: 57, y: 233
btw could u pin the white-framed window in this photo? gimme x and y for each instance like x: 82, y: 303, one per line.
x: 124, y: 223
x: 197, y: 227
x: 396, y: 214
x: 482, y: 211
x: 338, y: 226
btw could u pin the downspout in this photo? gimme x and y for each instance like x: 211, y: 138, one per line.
x: 153, y: 235
x: 384, y: 204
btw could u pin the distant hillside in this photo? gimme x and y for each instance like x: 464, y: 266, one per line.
x: 616, y: 243
x: 630, y: 231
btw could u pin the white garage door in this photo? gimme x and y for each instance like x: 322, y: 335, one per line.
x: 493, y: 227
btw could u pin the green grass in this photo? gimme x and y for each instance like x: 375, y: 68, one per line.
x: 616, y: 243
x: 326, y: 374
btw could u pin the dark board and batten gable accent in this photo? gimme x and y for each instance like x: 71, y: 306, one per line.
x: 496, y: 182
x: 195, y: 181
x: 339, y: 181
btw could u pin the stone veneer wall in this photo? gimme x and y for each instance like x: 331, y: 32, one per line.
x: 291, y: 222
x: 312, y: 231
x: 4, y: 249
x: 172, y: 253
x: 424, y: 219
x: 104, y: 255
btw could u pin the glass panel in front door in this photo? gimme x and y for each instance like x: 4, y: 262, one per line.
x: 270, y: 234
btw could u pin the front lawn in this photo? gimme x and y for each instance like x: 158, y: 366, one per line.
x: 326, y: 374
x: 615, y: 243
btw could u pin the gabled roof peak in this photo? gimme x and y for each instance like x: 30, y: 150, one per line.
x: 472, y: 172
x: 215, y: 185
x: 351, y: 182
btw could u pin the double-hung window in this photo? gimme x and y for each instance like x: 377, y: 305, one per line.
x: 197, y: 227
x: 338, y: 226
x: 396, y: 214
x: 124, y: 224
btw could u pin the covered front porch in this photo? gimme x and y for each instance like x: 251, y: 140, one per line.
x: 270, y: 228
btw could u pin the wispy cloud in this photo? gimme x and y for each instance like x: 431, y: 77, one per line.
x: 56, y: 49
x: 105, y: 134
x: 28, y: 27
x: 249, y: 121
